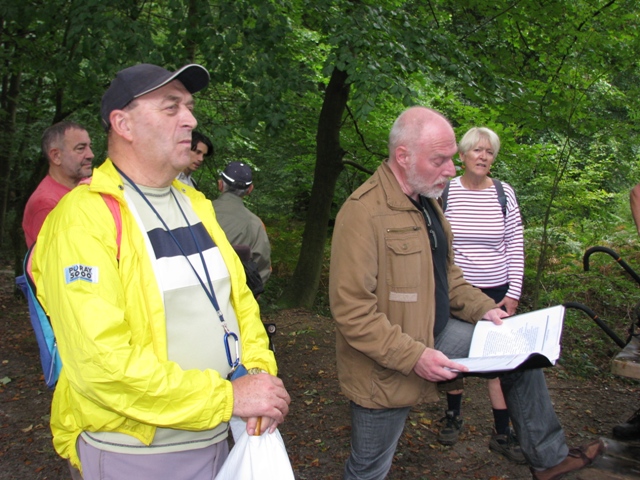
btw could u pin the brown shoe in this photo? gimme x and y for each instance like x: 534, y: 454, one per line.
x: 578, y: 458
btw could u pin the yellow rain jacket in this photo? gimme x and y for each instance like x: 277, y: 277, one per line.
x: 111, y: 331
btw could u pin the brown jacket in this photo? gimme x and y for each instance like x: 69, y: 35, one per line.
x: 382, y: 291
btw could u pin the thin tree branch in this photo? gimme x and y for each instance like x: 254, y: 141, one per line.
x: 364, y: 143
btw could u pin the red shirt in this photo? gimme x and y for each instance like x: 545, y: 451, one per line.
x: 40, y: 203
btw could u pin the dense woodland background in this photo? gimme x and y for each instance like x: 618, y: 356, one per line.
x: 306, y: 91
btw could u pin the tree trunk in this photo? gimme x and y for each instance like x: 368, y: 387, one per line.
x: 9, y: 103
x: 563, y: 161
x: 303, y: 288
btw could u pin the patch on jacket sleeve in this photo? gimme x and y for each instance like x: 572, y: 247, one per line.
x: 403, y: 297
x: 81, y: 272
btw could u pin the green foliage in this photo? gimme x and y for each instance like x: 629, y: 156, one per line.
x: 559, y: 82
x: 606, y: 288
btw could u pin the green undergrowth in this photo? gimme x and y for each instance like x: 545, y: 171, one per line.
x: 606, y: 289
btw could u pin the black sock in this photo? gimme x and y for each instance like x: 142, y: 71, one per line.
x: 454, y: 402
x: 501, y: 419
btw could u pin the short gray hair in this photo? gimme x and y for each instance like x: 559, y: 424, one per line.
x: 475, y: 135
x: 408, y: 127
x: 239, y: 192
x: 53, y: 136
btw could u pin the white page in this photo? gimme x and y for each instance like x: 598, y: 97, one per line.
x: 493, y: 364
x: 504, y: 347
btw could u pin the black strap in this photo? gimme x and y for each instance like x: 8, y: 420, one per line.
x: 211, y: 294
x: 443, y: 198
x: 502, y: 198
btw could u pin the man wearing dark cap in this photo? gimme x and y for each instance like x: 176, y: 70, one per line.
x: 241, y: 225
x: 149, y: 302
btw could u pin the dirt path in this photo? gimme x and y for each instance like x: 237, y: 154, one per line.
x: 317, y: 430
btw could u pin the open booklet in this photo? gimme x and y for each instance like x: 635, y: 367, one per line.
x: 530, y: 340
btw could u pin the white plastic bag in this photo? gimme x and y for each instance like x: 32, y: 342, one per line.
x: 257, y: 457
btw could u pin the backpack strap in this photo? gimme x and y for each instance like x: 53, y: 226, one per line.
x: 114, y: 208
x: 502, y: 198
x: 43, y: 330
x: 443, y: 197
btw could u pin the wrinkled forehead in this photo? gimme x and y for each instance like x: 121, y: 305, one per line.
x: 438, y: 139
x: 173, y: 90
x: 75, y: 136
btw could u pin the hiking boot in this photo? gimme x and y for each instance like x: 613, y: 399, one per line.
x: 508, y: 445
x: 451, y: 430
x: 578, y: 458
x: 630, y: 430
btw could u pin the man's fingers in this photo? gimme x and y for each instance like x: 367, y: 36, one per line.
x: 267, y: 424
x: 457, y: 367
x: 260, y: 395
x: 276, y: 385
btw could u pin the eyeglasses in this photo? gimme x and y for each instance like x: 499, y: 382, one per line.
x: 432, y: 233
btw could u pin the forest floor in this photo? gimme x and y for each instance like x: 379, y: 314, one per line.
x: 317, y: 430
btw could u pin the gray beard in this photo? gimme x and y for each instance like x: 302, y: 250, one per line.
x: 429, y: 191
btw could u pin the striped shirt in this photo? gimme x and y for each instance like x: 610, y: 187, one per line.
x: 488, y: 247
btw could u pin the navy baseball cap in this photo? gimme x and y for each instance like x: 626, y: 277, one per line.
x: 138, y: 80
x: 238, y: 175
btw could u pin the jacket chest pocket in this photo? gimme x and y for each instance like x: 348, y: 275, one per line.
x: 403, y: 252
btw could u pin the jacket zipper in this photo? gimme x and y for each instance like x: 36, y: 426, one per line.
x: 405, y: 229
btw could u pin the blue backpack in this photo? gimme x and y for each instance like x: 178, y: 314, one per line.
x: 49, y: 356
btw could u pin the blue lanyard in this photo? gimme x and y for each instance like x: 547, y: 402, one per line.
x: 210, y: 292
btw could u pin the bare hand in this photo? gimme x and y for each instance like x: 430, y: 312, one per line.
x: 266, y: 424
x: 495, y: 315
x: 260, y: 395
x: 431, y: 366
x: 510, y: 304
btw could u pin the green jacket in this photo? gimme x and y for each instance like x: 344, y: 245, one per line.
x: 382, y: 292
x: 243, y: 227
x: 111, y: 333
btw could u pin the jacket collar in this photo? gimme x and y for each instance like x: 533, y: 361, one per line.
x: 105, y: 179
x: 396, y: 198
x: 230, y: 197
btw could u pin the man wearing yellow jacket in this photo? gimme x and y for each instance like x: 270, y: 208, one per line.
x: 150, y: 326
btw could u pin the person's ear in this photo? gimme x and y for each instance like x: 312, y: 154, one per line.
x: 402, y: 156
x: 121, y: 123
x: 55, y: 155
x: 250, y: 189
x: 220, y: 184
x: 463, y: 165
